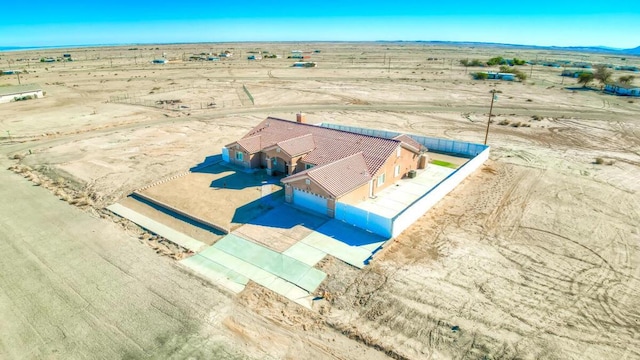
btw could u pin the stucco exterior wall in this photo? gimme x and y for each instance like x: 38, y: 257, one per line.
x: 407, y: 160
x: 358, y: 195
x: 311, y: 187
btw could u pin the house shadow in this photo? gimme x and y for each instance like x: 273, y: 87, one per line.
x: 247, y: 213
x: 208, y: 162
x: 274, y: 213
x: 240, y: 180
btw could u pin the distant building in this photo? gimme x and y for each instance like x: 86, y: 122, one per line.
x: 160, y: 61
x: 574, y: 73
x: 11, y: 72
x: 623, y: 89
x: 498, y: 76
x: 11, y: 93
x: 254, y: 57
x: 304, y: 64
x: 213, y: 58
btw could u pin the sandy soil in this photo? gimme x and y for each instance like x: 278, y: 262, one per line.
x: 536, y: 256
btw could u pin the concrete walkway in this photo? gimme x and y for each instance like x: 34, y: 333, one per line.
x: 158, y: 228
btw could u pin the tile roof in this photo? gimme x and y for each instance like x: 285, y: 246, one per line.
x: 250, y: 144
x: 298, y: 145
x: 339, y: 177
x: 409, y: 141
x: 330, y: 144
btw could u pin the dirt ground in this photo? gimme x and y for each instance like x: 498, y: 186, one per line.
x: 535, y: 256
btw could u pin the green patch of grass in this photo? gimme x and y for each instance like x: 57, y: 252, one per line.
x: 444, y: 163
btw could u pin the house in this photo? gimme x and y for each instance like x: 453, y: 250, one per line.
x: 575, y: 73
x: 322, y: 166
x: 13, y: 93
x: 304, y: 64
x: 498, y: 76
x: 623, y: 89
x: 160, y: 61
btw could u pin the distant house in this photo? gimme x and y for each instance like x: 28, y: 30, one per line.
x: 322, y: 166
x: 160, y: 61
x: 574, y: 73
x: 254, y: 57
x: 18, y: 92
x: 11, y: 72
x: 304, y: 64
x: 622, y: 89
x: 498, y: 76
x: 213, y: 58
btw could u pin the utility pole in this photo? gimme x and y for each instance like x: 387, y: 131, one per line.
x: 493, y: 97
x: 18, y: 74
x: 389, y: 68
x: 531, y: 72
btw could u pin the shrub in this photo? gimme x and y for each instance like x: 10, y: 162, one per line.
x: 504, y: 122
x: 599, y: 161
x: 481, y: 76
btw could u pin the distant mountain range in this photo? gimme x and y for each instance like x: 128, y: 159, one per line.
x: 591, y: 49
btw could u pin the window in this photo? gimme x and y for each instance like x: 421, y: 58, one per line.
x: 381, y: 180
x: 308, y: 166
x: 307, y: 181
x: 396, y: 171
x: 398, y: 152
x: 239, y: 156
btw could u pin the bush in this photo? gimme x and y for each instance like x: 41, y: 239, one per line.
x: 504, y: 122
x: 481, y: 76
x: 599, y: 161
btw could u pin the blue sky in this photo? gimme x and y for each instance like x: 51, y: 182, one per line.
x: 562, y: 23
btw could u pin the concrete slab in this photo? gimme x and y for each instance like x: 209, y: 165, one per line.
x: 217, y: 273
x: 280, y: 265
x: 345, y: 242
x: 305, y: 253
x: 258, y: 275
x: 158, y: 228
x: 280, y: 228
x: 392, y: 200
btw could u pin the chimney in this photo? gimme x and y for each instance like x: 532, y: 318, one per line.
x: 301, y: 118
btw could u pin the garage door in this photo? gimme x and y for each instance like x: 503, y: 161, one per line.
x: 310, y: 201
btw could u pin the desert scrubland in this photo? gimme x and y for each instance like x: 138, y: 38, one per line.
x: 534, y: 256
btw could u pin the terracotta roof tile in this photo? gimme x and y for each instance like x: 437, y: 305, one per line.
x: 409, y: 141
x: 298, y: 145
x: 250, y: 144
x: 337, y: 178
x: 330, y: 144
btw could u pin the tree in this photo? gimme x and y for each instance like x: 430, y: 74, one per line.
x: 521, y: 76
x: 517, y: 61
x: 602, y: 74
x: 498, y: 60
x: 585, y: 79
x: 464, y: 62
x: 628, y: 79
